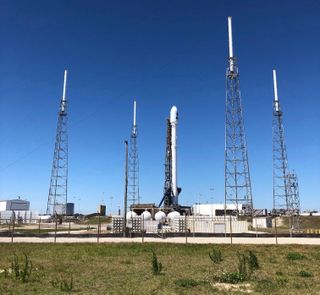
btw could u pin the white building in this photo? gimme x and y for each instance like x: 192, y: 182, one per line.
x: 215, y: 209
x: 14, y: 205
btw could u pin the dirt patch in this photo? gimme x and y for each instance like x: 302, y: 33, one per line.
x: 245, y: 288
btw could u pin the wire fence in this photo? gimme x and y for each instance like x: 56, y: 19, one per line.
x: 184, y: 226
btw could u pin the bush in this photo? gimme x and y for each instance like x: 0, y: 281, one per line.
x: 188, y: 283
x: 63, y: 285
x: 232, y: 277
x: 156, y: 265
x: 242, y: 265
x: 247, y: 264
x: 252, y: 261
x: 215, y: 255
x: 305, y: 274
x: 294, y: 256
x: 22, y: 272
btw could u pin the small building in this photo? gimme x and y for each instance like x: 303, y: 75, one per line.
x: 262, y: 222
x: 14, y: 205
x: 215, y: 209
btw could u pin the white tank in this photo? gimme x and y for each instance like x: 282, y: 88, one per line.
x: 160, y: 216
x: 146, y: 215
x: 131, y: 214
x: 173, y: 215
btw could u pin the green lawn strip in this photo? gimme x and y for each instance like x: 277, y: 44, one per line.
x: 186, y: 269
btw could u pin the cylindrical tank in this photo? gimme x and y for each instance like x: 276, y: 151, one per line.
x: 70, y: 209
x: 160, y: 216
x: 146, y: 215
x: 173, y: 215
x: 131, y: 214
x: 102, y: 210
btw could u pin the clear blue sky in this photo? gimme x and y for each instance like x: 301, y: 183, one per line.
x: 162, y: 53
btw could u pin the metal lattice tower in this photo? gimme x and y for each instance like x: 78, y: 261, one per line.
x: 237, y: 175
x: 286, y: 198
x: 133, y: 172
x: 58, y: 191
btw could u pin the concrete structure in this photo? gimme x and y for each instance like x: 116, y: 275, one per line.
x: 262, y: 222
x: 20, y: 216
x: 16, y: 204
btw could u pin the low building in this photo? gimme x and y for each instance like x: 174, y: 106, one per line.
x: 215, y: 209
x: 14, y: 205
x: 262, y: 222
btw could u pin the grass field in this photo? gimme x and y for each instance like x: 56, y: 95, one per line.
x: 127, y: 269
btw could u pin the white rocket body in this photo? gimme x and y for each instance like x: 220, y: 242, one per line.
x: 174, y: 123
x: 275, y: 88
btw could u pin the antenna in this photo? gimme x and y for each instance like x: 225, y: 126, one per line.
x: 58, y: 189
x: 276, y: 99
x: 237, y: 173
x: 134, y: 116
x: 133, y: 172
x: 286, y: 197
x: 231, y: 59
x: 63, y: 101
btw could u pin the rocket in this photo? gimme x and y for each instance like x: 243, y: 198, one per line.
x: 174, y: 123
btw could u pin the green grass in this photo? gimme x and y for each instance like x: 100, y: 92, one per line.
x: 186, y: 269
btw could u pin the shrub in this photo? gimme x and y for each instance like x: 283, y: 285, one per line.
x: 23, y: 271
x: 215, y: 255
x: 63, y: 285
x: 253, y: 261
x: 294, y: 256
x: 305, y: 274
x: 232, y: 277
x: 188, y: 283
x: 156, y: 265
x: 242, y: 265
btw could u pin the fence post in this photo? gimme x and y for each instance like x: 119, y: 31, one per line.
x: 230, y: 230
x: 13, y: 223
x: 39, y: 225
x: 69, y: 229
x: 142, y: 229
x: 55, y: 229
x: 276, y: 231
x: 98, y: 235
x: 185, y: 227
x: 194, y: 225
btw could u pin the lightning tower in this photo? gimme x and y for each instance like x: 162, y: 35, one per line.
x: 237, y: 175
x: 286, y: 198
x: 58, y: 190
x: 133, y: 172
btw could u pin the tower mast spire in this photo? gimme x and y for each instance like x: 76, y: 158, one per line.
x: 237, y: 174
x: 133, y: 173
x: 58, y: 189
x: 286, y: 199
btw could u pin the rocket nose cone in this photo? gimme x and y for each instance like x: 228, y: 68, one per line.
x: 173, y: 114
